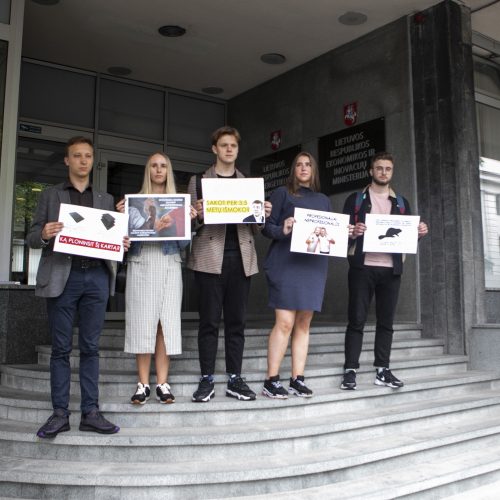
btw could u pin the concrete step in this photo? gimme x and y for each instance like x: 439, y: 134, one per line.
x: 116, y: 359
x: 488, y: 491
x: 474, y: 475
x: 422, y: 451
x: 35, y: 408
x: 256, y: 439
x: 319, y: 375
x: 114, y: 337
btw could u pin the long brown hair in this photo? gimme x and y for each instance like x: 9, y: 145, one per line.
x: 169, y: 186
x: 292, y: 183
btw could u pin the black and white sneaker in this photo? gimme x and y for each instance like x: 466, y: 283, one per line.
x: 205, y: 391
x: 141, y: 395
x: 385, y: 377
x: 164, y: 394
x: 273, y: 388
x: 348, y: 380
x: 238, y: 388
x: 299, y: 388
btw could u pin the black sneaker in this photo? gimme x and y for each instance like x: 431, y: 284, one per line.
x: 385, y: 377
x: 164, y: 394
x: 205, y: 391
x: 56, y: 423
x: 141, y: 395
x: 349, y: 380
x: 238, y: 388
x: 298, y: 387
x: 95, y: 422
x: 273, y: 388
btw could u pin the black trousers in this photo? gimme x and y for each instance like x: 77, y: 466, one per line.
x: 226, y: 292
x: 363, y: 284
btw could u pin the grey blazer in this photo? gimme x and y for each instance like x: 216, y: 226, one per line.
x: 54, y: 267
x: 207, y: 250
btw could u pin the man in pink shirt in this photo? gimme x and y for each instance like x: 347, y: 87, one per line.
x: 371, y: 274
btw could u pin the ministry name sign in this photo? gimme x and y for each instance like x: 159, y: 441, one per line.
x: 344, y: 156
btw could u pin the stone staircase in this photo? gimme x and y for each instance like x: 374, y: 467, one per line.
x: 437, y: 436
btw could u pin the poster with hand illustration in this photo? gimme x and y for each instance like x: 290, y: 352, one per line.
x: 157, y: 217
x: 320, y: 233
x: 391, y: 233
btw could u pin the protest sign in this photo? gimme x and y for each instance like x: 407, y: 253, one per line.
x: 91, y: 232
x: 233, y: 201
x: 391, y: 233
x: 156, y: 217
x: 320, y: 233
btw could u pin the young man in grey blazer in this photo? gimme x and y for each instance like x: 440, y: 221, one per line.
x: 73, y: 284
x: 223, y: 258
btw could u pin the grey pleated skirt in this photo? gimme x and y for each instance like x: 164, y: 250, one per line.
x: 153, y: 294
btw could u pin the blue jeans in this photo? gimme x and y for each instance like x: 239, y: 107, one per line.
x: 86, y: 292
x: 363, y: 284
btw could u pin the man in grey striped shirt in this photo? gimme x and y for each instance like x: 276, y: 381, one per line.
x: 223, y: 258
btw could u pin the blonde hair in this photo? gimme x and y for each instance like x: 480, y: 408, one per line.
x: 169, y: 187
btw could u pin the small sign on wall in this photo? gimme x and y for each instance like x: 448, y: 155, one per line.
x: 350, y: 113
x: 275, y: 140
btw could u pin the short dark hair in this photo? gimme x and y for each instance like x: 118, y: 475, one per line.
x: 260, y: 202
x: 227, y: 130
x: 77, y: 139
x: 381, y: 155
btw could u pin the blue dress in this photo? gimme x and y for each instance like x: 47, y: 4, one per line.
x: 296, y: 280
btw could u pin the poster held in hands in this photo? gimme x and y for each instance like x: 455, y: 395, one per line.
x: 158, y: 217
x: 91, y: 232
x: 391, y: 233
x: 320, y: 233
x: 233, y: 201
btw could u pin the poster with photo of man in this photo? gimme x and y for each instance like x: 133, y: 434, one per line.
x: 233, y: 201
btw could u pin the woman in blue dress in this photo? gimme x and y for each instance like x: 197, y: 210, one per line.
x: 296, y: 280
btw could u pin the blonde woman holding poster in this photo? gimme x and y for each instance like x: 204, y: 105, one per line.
x: 296, y: 280
x: 153, y: 294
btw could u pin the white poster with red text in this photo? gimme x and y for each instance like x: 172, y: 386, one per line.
x: 91, y: 232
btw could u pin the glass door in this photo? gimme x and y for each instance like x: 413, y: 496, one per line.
x: 120, y: 174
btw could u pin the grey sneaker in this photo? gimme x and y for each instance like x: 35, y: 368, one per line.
x: 56, y: 423
x: 94, y: 421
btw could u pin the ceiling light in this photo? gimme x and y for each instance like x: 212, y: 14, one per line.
x: 352, y: 18
x: 119, y: 70
x: 172, y: 31
x: 212, y: 90
x: 273, y: 58
x: 46, y: 2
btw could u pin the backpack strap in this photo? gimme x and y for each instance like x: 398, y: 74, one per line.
x: 400, y: 204
x: 360, y: 196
